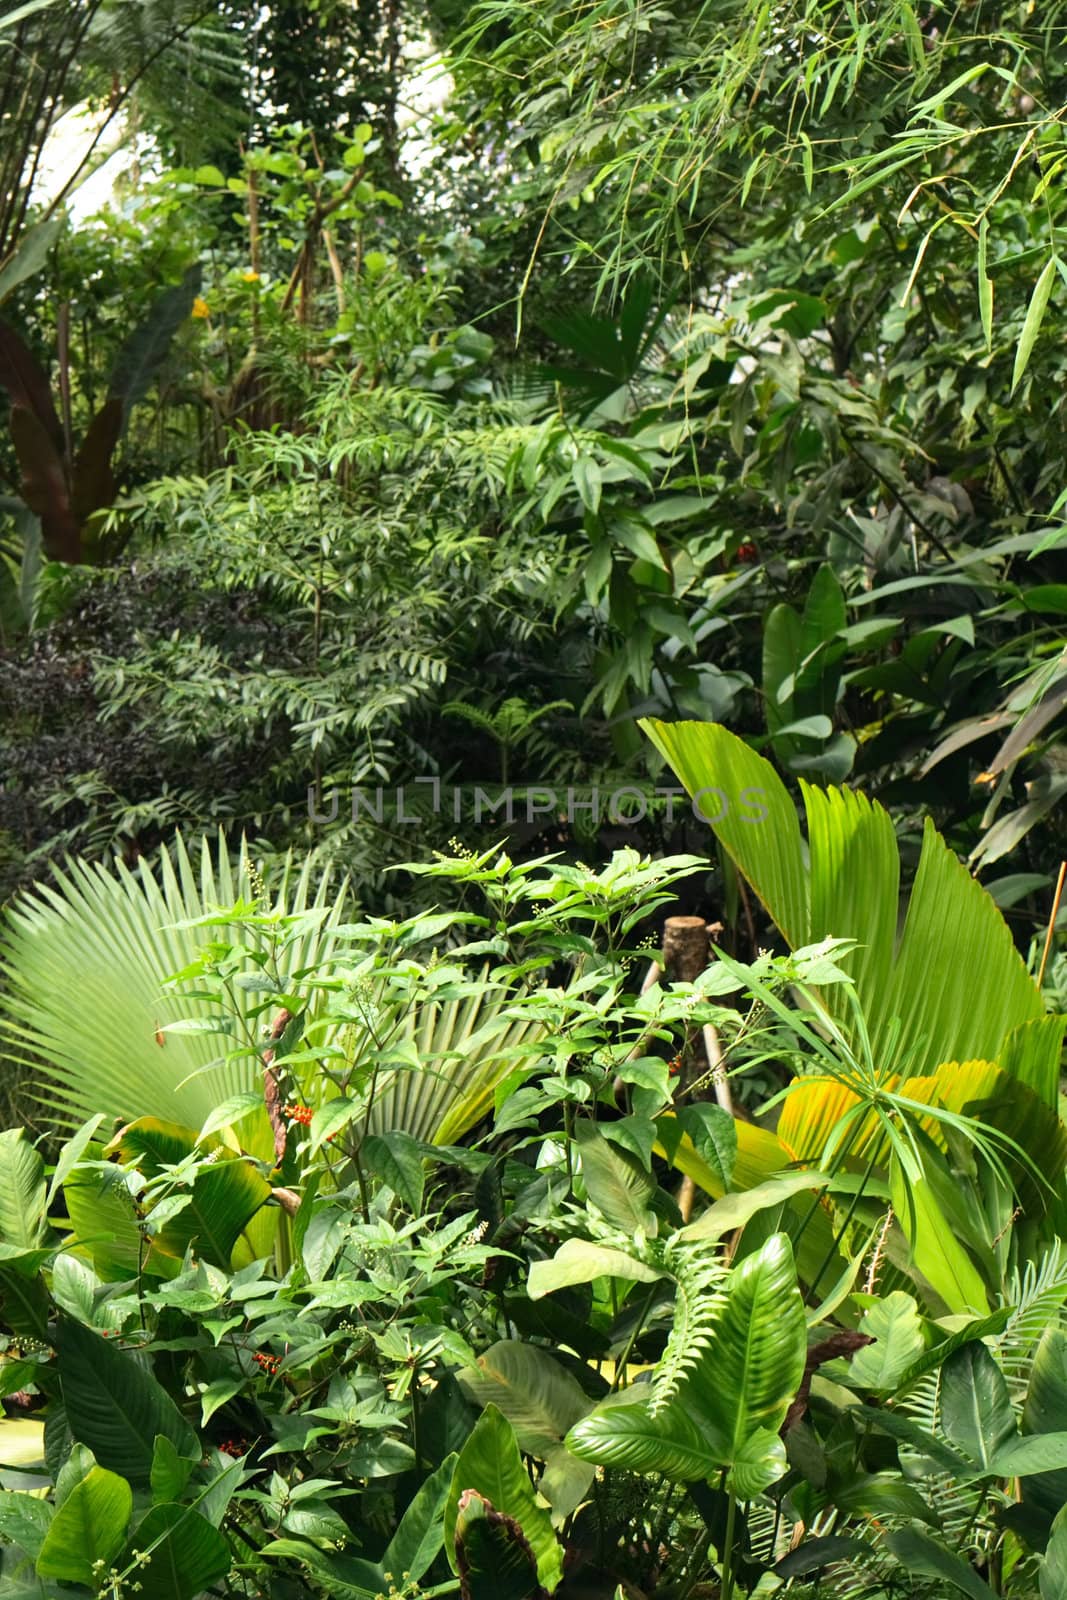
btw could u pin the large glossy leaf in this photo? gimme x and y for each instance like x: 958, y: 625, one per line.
x: 896, y: 1328
x: 751, y: 1369
x: 1053, y: 1574
x: 580, y: 1261
x: 491, y: 1465
x: 420, y: 1534
x: 734, y: 1210
x: 22, y: 1190
x: 976, y: 1410
x: 24, y: 1520
x: 1045, y: 1411
x: 628, y: 1436
x: 923, y: 1556
x: 186, y: 1554
x: 493, y: 1556
x: 89, y: 1527
x: 935, y: 1249
x: 115, y: 1406
x: 616, y: 1182
x: 539, y: 1398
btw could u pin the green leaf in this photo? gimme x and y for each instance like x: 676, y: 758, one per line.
x: 896, y: 1328
x: 32, y: 250
x: 493, y: 1556
x: 420, y: 1534
x: 24, y: 1520
x: 713, y: 1133
x: 398, y: 1161
x: 1040, y: 1453
x: 170, y: 1472
x: 588, y: 481
x: 976, y: 1410
x: 222, y: 1200
x: 115, y: 1406
x: 22, y: 1190
x: 936, y: 1251
x: 214, y: 1395
x: 768, y: 854
x: 751, y: 1367
x: 89, y: 1527
x: 923, y: 1556
x: 734, y: 1210
x: 538, y: 1397
x: 1053, y: 1573
x: 926, y: 1001
x: 186, y: 1554
x: 491, y: 1465
x: 1035, y: 314
x: 616, y: 1182
x: 580, y: 1261
x: 623, y: 1433
x: 144, y: 351
x: 985, y: 284
x: 1045, y: 1411
x: 759, y: 1461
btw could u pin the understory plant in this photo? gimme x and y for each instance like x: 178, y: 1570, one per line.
x: 498, y: 1274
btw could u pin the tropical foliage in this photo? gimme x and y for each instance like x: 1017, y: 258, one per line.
x: 532, y: 689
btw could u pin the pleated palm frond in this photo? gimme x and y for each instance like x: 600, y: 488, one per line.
x: 948, y: 985
x: 84, y: 964
x: 464, y: 1048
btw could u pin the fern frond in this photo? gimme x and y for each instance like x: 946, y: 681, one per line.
x: 700, y: 1276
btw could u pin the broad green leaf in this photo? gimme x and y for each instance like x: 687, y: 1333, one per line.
x: 1045, y: 1411
x: 564, y: 1483
x: 616, y: 1182
x: 896, y: 1328
x: 759, y: 1461
x: 115, y: 1406
x: 734, y: 1210
x: 420, y: 1534
x: 398, y: 1161
x: 491, y: 1465
x: 751, y: 1367
x: 186, y: 1556
x: 580, y: 1261
x: 933, y: 1002
x: 170, y: 1472
x: 22, y: 1190
x: 936, y: 1251
x: 32, y: 250
x: 223, y: 1197
x: 628, y: 1436
x: 923, y: 1556
x: 1040, y: 1453
x: 89, y: 1527
x: 713, y: 1133
x: 24, y: 1520
x: 538, y: 1397
x: 1053, y: 1572
x: 976, y: 1409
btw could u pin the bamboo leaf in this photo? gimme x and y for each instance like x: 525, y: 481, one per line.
x: 1035, y: 314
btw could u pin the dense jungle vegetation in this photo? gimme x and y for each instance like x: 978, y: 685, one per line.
x: 533, y: 695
